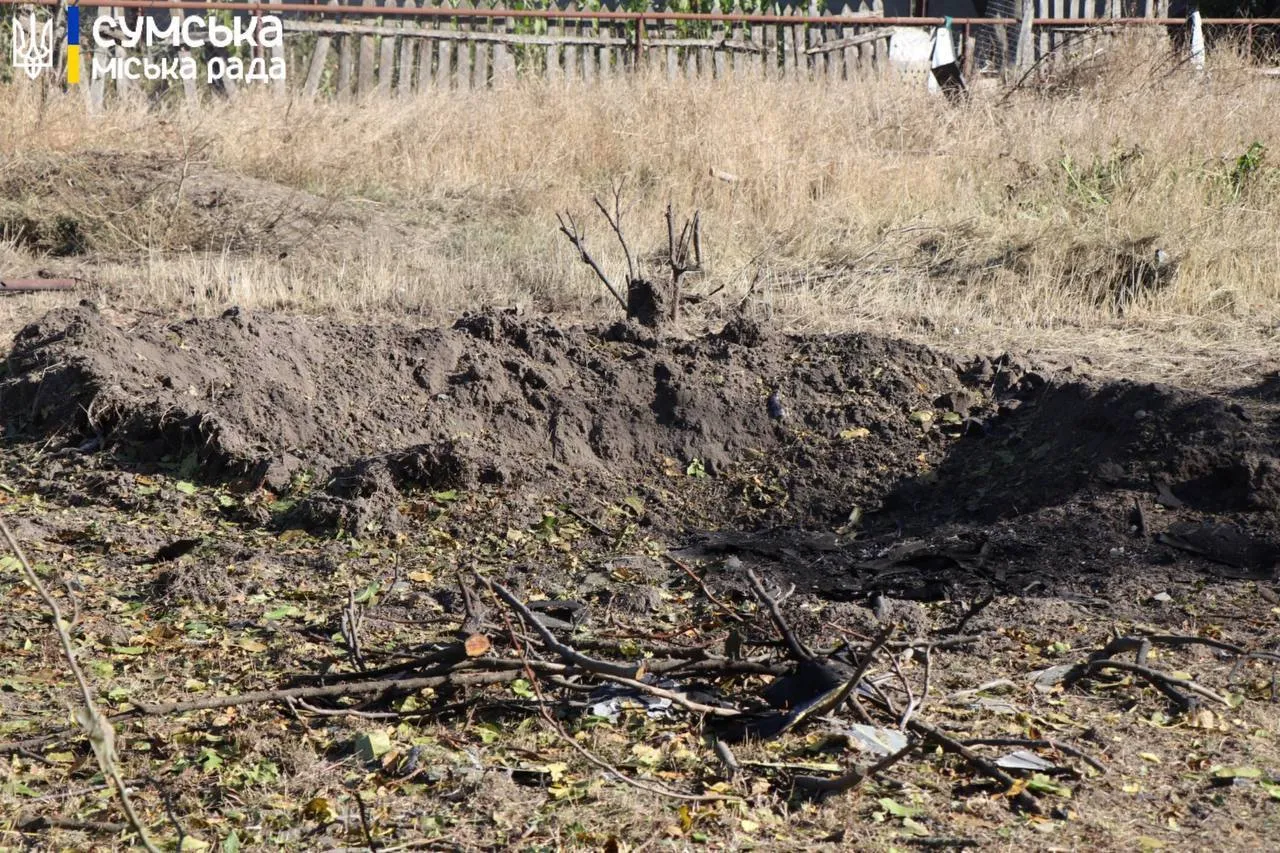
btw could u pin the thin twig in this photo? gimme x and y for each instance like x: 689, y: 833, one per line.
x: 794, y: 646
x: 1038, y: 743
x: 364, y: 822
x: 566, y: 653
x: 678, y: 698
x: 855, y: 776
x: 988, y: 768
x: 1165, y: 683
x: 906, y: 688
x: 101, y: 734
x: 702, y: 584
x: 570, y: 229
x: 615, y: 222
x: 352, y: 621
x: 660, y: 790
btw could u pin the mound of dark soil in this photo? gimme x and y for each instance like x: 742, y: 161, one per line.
x: 741, y: 429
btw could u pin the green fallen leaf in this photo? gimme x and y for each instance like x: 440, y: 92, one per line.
x: 522, y: 688
x: 488, y: 732
x: 1236, y: 772
x: 922, y: 418
x: 368, y: 592
x: 231, y: 844
x: 896, y: 808
x: 696, y: 469
x: 1272, y: 788
x: 185, y: 487
x: 371, y: 746
x: 101, y: 668
x: 282, y: 612
x: 1042, y: 784
x: 914, y: 827
x: 209, y: 760
x: 447, y: 496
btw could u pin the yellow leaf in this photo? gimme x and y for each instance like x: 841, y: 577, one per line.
x: 421, y: 577
x: 749, y: 825
x: 646, y: 754
x: 556, y: 770
x: 1149, y: 756
x: 320, y: 810
x: 251, y: 645
x: 854, y: 433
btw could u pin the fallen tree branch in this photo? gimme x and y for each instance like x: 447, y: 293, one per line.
x: 1038, y: 743
x: 568, y: 654
x: 330, y: 691
x: 570, y: 229
x: 794, y: 646
x: 854, y: 777
x: 678, y: 698
x: 96, y: 725
x: 558, y: 729
x: 702, y: 584
x: 36, y: 823
x: 929, y: 732
x: 1167, y: 684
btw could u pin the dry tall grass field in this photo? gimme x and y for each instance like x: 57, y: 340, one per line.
x: 1030, y: 221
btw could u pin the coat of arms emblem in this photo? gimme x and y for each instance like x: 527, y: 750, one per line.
x: 32, y: 43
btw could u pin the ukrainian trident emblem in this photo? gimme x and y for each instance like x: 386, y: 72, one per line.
x: 32, y: 43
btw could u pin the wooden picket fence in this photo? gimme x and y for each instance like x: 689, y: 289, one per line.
x: 363, y: 56
x: 349, y: 49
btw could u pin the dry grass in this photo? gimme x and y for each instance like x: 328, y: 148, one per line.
x: 1000, y: 223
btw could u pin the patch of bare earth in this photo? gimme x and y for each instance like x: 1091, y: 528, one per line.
x: 511, y: 583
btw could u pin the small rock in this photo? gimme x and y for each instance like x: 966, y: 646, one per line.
x: 777, y: 410
x: 959, y: 402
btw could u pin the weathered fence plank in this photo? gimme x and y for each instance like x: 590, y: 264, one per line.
x: 772, y: 62
x: 504, y: 60
x: 408, y: 49
x: 387, y: 58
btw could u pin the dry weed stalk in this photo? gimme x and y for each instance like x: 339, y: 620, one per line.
x: 101, y: 734
x: 684, y: 256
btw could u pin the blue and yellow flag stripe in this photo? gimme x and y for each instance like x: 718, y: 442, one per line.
x: 73, y: 44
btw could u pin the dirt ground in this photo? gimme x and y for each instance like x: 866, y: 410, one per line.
x: 262, y: 501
